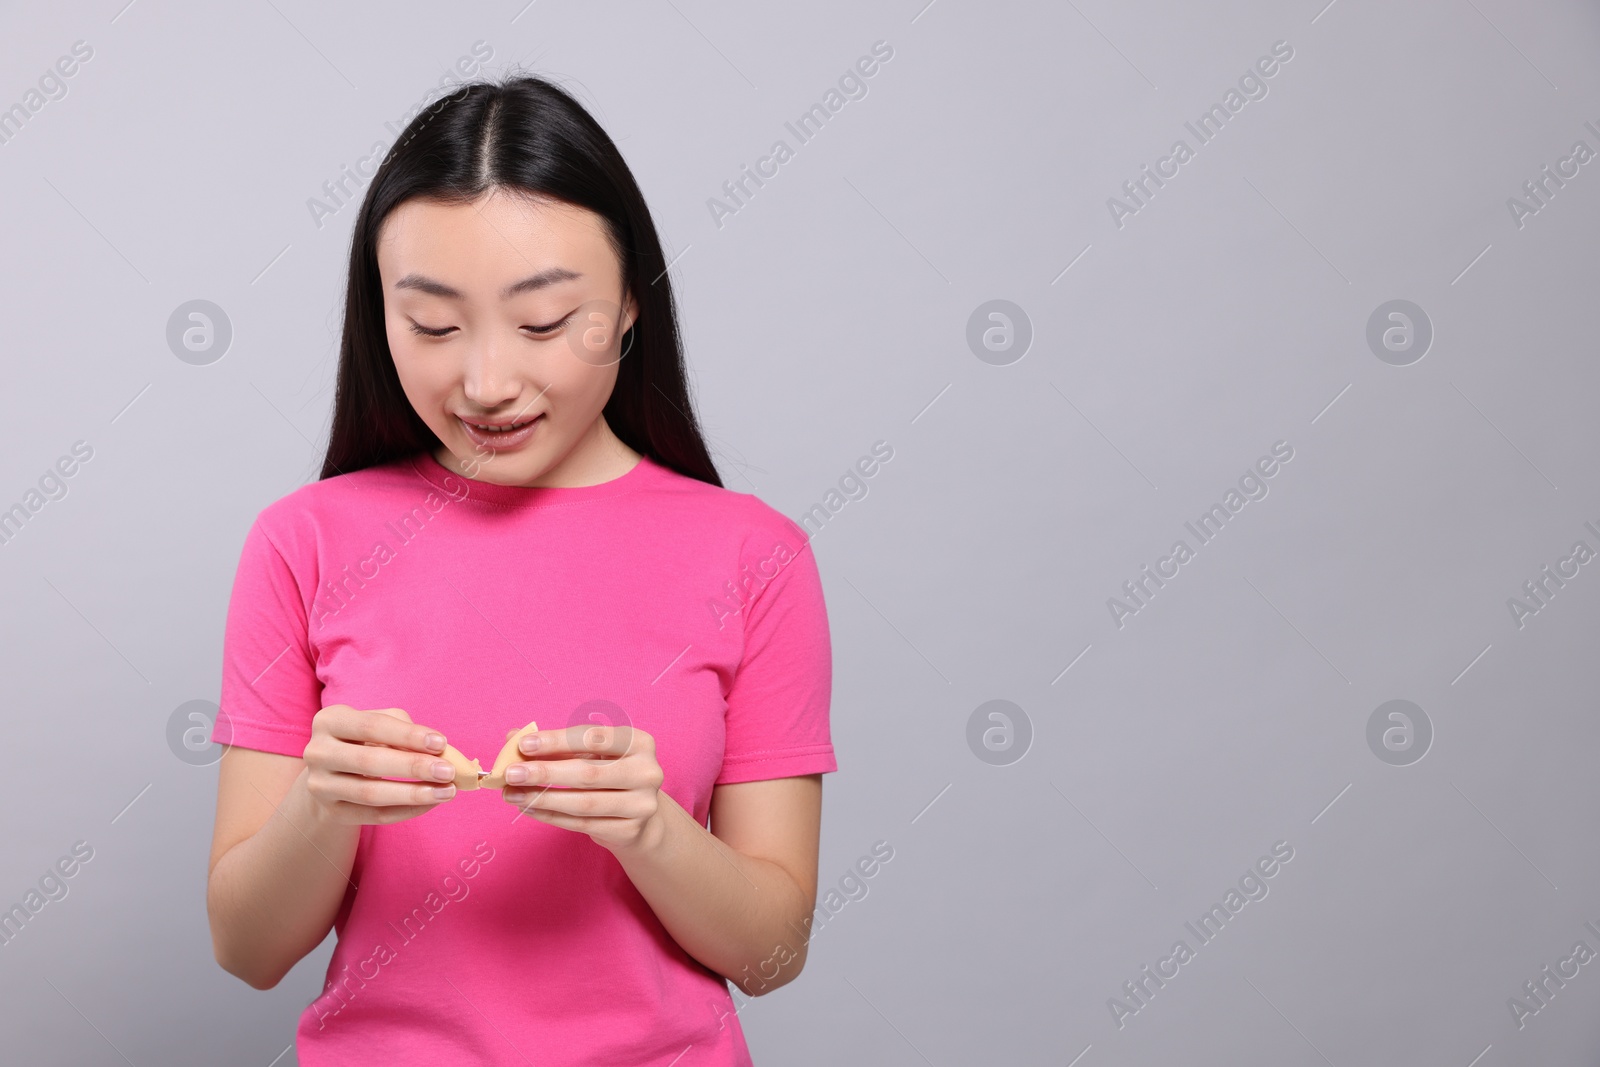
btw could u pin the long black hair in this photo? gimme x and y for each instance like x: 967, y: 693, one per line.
x: 527, y: 136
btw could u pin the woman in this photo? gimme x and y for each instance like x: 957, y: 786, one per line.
x: 518, y: 520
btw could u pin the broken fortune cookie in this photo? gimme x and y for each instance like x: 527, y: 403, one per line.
x: 508, y: 755
x: 470, y: 773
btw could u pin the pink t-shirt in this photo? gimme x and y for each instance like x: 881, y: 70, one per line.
x: 479, y: 936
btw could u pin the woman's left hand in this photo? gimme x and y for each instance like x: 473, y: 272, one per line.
x: 607, y: 778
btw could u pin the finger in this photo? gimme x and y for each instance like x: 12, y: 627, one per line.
x: 387, y: 726
x: 588, y: 803
x: 380, y: 761
x: 381, y: 793
x: 400, y: 814
x: 587, y: 741
x: 393, y: 814
x: 560, y: 803
x: 577, y: 823
x: 583, y: 772
x: 373, y: 759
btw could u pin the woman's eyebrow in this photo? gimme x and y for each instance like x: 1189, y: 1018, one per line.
x: 527, y: 285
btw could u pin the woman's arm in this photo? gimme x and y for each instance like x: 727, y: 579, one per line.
x: 740, y: 899
x: 279, y: 870
x: 288, y: 828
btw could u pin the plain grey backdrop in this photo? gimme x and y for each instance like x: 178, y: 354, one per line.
x: 1378, y: 259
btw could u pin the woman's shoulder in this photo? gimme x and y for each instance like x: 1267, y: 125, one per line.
x: 745, y: 512
x: 331, y: 501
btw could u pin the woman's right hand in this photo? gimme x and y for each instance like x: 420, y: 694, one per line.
x: 352, y: 751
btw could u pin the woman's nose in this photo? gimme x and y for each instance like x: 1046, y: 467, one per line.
x: 490, y: 375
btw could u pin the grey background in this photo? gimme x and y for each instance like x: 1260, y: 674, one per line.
x: 830, y: 312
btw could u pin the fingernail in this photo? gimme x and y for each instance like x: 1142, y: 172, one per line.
x: 517, y: 774
x: 445, y: 792
x: 443, y: 771
x: 434, y: 741
x: 530, y: 744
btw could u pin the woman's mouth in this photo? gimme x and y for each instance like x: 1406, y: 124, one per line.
x: 500, y: 436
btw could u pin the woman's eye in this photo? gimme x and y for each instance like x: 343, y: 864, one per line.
x: 418, y: 328
x: 551, y: 328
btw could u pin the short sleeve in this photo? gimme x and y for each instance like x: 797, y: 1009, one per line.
x: 778, y: 702
x: 270, y: 689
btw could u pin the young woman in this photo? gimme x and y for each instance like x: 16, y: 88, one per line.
x: 517, y: 520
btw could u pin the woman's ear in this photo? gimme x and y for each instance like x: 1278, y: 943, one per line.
x: 630, y: 315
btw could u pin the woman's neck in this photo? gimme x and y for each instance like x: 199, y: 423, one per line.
x: 598, y: 456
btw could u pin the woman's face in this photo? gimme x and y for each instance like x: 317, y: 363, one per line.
x: 504, y: 312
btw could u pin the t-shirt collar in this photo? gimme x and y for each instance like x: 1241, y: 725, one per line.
x: 459, y: 487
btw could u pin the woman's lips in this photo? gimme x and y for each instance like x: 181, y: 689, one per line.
x: 502, y: 441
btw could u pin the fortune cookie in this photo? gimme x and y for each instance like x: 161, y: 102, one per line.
x: 509, y: 754
x: 468, y: 771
